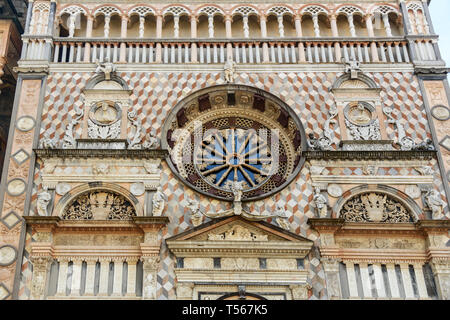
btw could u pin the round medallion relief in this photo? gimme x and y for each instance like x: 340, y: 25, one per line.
x: 63, y: 188
x: 413, y: 191
x: 16, y: 187
x: 440, y: 112
x: 105, y: 113
x: 8, y: 255
x: 25, y: 123
x: 334, y: 190
x: 137, y: 189
x: 359, y: 113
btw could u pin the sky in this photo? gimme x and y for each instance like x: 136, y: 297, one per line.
x: 440, y: 16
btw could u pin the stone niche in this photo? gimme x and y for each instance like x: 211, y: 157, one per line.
x: 235, y: 251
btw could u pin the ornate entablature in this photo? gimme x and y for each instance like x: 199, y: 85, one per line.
x: 234, y: 133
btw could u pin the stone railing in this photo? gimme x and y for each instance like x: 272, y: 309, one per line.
x: 295, y: 50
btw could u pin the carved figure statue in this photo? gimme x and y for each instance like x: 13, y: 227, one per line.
x: 196, y: 214
x: 282, y: 217
x: 352, y: 67
x: 158, y: 202
x: 434, y: 202
x: 320, y: 202
x: 152, y: 142
x: 47, y: 142
x: 43, y: 199
x: 425, y: 145
x: 230, y: 70
x: 107, y: 68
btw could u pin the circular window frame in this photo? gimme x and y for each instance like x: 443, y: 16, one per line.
x: 185, y: 102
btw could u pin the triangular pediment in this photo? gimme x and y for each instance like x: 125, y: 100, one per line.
x: 238, y: 229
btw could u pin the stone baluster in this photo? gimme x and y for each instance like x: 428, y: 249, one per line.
x: 55, y: 57
x: 387, y: 25
x: 194, y: 20
x: 405, y: 52
x: 62, y: 276
x: 104, y: 275
x: 265, y: 47
x: 366, y: 52
x: 71, y: 51
x: 294, y: 58
x: 383, y: 52
x: 330, y: 52
x: 308, y: 52
x: 397, y: 52
x: 90, y: 277
x: 257, y: 53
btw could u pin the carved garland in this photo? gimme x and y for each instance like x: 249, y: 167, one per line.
x: 374, y: 207
x: 99, y: 205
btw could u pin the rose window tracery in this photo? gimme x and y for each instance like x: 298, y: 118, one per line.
x: 234, y: 134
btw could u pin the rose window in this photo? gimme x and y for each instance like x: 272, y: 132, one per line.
x: 234, y: 133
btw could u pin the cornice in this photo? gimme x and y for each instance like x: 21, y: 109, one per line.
x: 102, y: 153
x: 369, y: 155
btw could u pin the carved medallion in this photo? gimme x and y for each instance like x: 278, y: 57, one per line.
x: 25, y: 123
x: 137, y: 189
x: 63, y: 188
x: 8, y: 255
x: 440, y: 112
x: 359, y: 113
x: 334, y: 190
x: 16, y: 187
x: 103, y: 121
x: 413, y: 191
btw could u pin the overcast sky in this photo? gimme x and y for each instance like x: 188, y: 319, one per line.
x: 440, y: 16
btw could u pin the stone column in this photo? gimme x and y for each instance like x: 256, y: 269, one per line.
x: 371, y: 34
x: 265, y: 46
x: 185, y: 290
x: 62, y: 276
x: 441, y: 272
x: 298, y: 26
x: 229, y: 35
x: 300, y: 291
x: 51, y: 17
x: 131, y: 279
x: 87, y: 46
x: 90, y: 277
x: 335, y: 33
x: 41, y: 266
x: 331, y: 268
x: 29, y: 16
x: 104, y: 275
x: 194, y: 20
x: 123, y: 35
x: 159, y: 20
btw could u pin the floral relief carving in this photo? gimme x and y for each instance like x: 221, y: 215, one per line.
x: 374, y: 207
x: 99, y: 205
x: 238, y: 233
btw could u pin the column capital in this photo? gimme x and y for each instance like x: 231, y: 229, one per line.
x: 368, y: 16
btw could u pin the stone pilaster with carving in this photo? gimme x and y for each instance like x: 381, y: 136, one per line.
x: 150, y: 266
x: 441, y: 271
x: 300, y: 291
x: 185, y: 291
x: 41, y: 266
x: 331, y: 267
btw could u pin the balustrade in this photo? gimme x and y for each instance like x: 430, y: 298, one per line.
x: 309, y: 51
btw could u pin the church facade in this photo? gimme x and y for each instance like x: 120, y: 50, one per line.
x: 227, y: 150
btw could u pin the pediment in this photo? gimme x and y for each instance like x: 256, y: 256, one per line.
x: 237, y: 229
